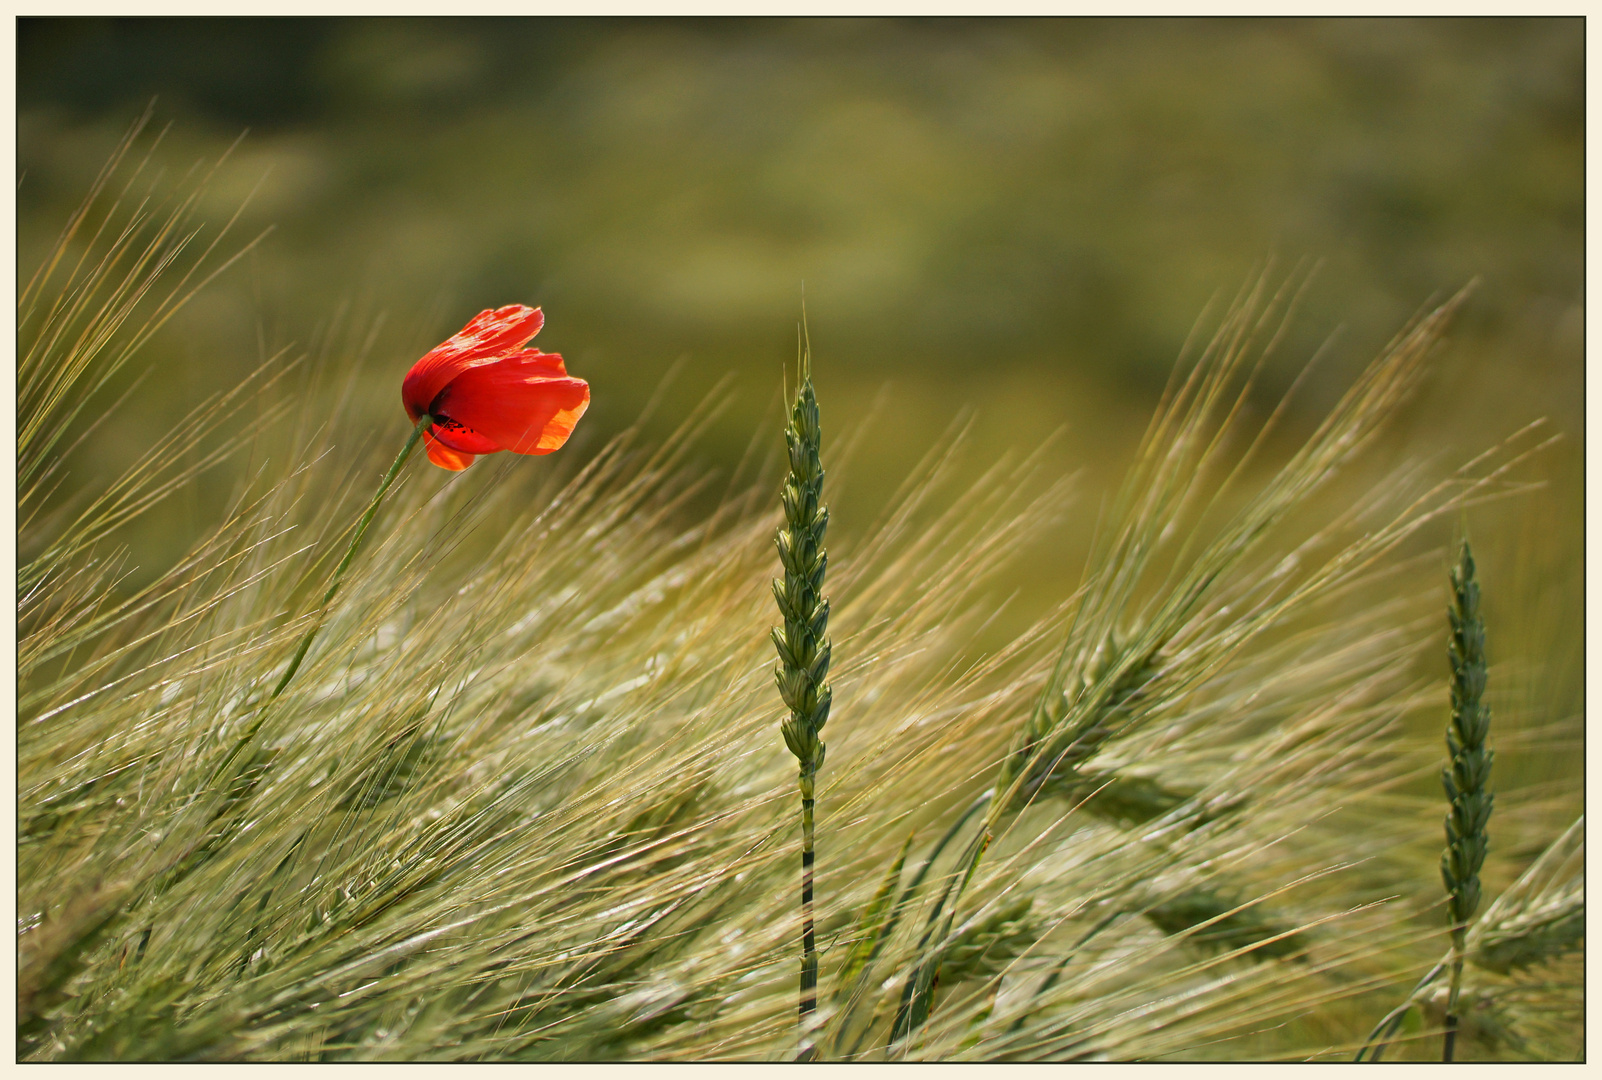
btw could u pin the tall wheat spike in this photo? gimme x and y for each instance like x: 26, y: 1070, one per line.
x: 804, y: 650
x: 1467, y: 775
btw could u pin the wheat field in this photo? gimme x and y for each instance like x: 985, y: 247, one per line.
x: 527, y: 798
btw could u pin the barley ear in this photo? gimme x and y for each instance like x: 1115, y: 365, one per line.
x: 1467, y: 774
x: 803, y: 646
x: 1541, y: 916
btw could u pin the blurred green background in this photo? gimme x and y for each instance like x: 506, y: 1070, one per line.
x: 1015, y: 219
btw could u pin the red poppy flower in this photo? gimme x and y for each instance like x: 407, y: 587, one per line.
x: 487, y: 393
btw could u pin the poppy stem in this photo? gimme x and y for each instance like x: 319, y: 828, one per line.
x: 333, y: 587
x: 197, y: 854
x: 355, y: 544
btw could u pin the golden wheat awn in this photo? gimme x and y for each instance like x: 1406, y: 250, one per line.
x: 522, y: 800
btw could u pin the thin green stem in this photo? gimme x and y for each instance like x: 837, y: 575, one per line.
x: 1386, y: 1028
x: 196, y: 854
x: 900, y: 908
x: 917, y: 992
x: 1459, y: 935
x: 809, y: 950
x: 355, y: 545
x: 322, y: 609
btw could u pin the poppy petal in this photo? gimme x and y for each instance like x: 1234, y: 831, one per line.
x: 495, y: 330
x: 519, y: 406
x: 490, y: 335
x: 459, y: 437
x: 546, y: 363
x: 444, y: 456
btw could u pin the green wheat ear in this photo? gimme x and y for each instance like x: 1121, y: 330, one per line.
x: 1466, y: 779
x: 803, y: 649
x: 1468, y: 773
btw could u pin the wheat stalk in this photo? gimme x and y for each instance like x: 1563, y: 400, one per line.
x: 804, y: 650
x: 1467, y: 775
